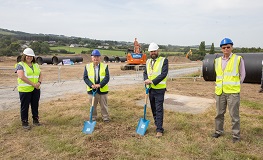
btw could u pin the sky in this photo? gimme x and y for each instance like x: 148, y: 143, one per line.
x: 174, y: 22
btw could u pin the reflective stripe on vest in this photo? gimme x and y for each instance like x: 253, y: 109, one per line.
x: 32, y: 75
x: 91, y: 74
x: 227, y: 81
x: 156, y: 71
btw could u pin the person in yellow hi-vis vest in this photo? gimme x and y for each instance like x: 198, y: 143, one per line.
x: 29, y: 81
x: 155, y: 75
x: 96, y: 76
x: 230, y: 74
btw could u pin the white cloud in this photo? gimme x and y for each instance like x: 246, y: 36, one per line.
x: 180, y: 22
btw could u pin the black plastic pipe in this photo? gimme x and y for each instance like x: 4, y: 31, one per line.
x: 18, y: 58
x: 41, y: 60
x: 57, y: 59
x: 253, y: 66
x: 109, y: 59
x: 120, y: 59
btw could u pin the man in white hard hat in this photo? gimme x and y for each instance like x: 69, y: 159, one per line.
x: 29, y: 81
x: 155, y: 75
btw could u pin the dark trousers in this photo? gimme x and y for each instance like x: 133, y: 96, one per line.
x: 27, y: 98
x: 156, y: 100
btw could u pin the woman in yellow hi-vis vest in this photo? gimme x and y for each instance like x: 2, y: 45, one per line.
x: 230, y: 73
x: 29, y: 81
x: 96, y: 76
x: 155, y: 75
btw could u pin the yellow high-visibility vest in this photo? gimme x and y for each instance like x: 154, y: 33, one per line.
x: 156, y: 70
x: 227, y: 81
x: 91, y: 75
x: 32, y: 75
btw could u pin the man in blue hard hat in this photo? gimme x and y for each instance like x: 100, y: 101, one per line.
x: 230, y: 73
x: 96, y: 76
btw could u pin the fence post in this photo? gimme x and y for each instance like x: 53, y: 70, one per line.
x: 59, y: 74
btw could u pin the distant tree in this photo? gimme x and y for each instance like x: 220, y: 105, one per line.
x: 244, y: 50
x: 14, y: 46
x: 45, y: 48
x: 36, y: 47
x: 212, y: 49
x: 40, y: 47
x: 202, y: 48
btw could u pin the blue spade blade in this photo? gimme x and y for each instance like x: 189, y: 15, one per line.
x: 142, y: 126
x: 88, y: 127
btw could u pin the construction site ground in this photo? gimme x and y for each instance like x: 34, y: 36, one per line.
x: 64, y: 106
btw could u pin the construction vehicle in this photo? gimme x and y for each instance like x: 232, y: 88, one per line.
x: 188, y: 53
x: 136, y: 60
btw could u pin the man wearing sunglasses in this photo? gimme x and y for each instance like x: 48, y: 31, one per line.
x: 230, y: 73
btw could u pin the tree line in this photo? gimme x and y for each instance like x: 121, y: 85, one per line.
x: 13, y: 43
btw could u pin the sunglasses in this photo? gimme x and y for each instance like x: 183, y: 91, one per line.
x: 226, y: 47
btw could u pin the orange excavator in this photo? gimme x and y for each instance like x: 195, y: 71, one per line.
x: 136, y: 60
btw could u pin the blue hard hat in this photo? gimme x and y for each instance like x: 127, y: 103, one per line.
x: 226, y: 41
x: 95, y: 52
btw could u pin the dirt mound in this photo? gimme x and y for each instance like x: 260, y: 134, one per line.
x: 178, y: 59
x: 8, y: 61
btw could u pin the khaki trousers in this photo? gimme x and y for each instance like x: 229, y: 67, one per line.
x: 233, y: 103
x: 102, y: 100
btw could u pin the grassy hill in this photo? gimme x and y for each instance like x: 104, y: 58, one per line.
x: 6, y: 32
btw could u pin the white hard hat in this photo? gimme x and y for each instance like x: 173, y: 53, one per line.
x: 29, y: 52
x: 153, y: 47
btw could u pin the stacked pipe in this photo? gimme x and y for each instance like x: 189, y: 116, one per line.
x: 109, y: 59
x: 120, y: 59
x: 253, y: 67
x: 57, y: 59
x: 41, y: 60
x: 114, y: 59
x: 54, y: 60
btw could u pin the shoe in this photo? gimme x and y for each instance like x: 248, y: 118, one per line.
x: 36, y: 122
x: 106, y: 120
x: 25, y: 125
x: 216, y: 135
x: 159, y: 134
x: 236, y: 139
x: 261, y: 90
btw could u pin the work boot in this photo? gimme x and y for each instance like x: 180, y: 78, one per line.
x: 159, y: 134
x: 236, y: 139
x: 36, y: 122
x: 216, y: 135
x: 261, y: 90
x: 25, y: 125
x: 106, y: 120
